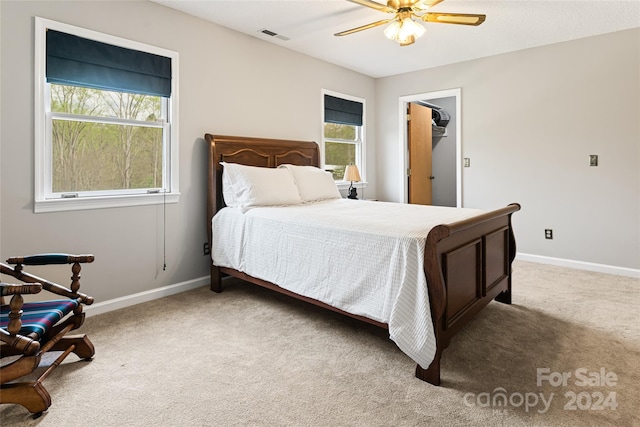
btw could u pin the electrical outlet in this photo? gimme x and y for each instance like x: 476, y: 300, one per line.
x: 593, y: 160
x: 548, y: 233
x: 467, y: 162
x: 206, y: 250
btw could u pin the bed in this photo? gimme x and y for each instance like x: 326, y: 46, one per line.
x: 446, y: 263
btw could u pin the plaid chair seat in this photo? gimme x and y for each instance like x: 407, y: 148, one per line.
x: 38, y: 317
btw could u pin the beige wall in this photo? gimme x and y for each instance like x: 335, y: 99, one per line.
x: 229, y: 84
x: 530, y: 120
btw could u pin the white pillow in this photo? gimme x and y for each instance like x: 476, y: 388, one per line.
x: 313, y: 183
x: 256, y: 186
x: 228, y: 194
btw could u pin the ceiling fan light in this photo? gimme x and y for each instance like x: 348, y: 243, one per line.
x: 418, y: 29
x: 392, y: 30
x: 406, y: 29
x: 410, y: 28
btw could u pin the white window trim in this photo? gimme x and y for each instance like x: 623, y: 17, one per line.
x: 44, y: 204
x: 362, y: 168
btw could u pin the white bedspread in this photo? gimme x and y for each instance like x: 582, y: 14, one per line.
x: 363, y: 257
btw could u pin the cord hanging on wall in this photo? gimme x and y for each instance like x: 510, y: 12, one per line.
x: 164, y: 229
x: 164, y: 225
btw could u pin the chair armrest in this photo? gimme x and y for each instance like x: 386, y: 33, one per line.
x: 8, y: 289
x: 48, y: 259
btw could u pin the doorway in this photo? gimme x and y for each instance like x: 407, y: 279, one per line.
x: 447, y: 151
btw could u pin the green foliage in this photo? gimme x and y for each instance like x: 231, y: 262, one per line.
x: 93, y: 156
x: 342, y: 132
x: 337, y: 156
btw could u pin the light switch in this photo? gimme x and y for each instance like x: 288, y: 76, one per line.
x: 593, y: 160
x: 467, y: 162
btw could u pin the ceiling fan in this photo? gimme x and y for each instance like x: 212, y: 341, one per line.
x: 402, y: 26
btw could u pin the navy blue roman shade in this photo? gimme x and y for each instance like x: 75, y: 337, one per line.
x: 342, y: 111
x: 76, y: 61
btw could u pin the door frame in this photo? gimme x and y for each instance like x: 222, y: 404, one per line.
x: 403, y: 137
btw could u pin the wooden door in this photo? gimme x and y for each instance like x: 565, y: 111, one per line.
x: 420, y: 151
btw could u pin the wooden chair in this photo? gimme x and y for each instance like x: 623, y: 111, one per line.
x: 28, y: 330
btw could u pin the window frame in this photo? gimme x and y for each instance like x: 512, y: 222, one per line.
x: 47, y: 201
x: 360, y: 145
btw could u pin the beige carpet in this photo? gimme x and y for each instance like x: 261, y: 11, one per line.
x: 250, y: 357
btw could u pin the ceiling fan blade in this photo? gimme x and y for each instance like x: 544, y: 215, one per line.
x: 454, y: 18
x: 364, y: 27
x: 374, y: 5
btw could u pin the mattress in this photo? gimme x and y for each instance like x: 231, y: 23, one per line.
x: 363, y: 257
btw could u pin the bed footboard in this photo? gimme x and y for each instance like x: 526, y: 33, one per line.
x: 467, y: 264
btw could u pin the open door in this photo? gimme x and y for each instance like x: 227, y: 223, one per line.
x: 420, y: 152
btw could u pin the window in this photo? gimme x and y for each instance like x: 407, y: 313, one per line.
x: 106, y: 120
x: 343, y: 134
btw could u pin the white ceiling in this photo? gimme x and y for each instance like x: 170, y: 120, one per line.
x: 511, y: 25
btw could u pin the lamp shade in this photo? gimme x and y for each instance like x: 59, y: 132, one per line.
x: 404, y: 30
x: 351, y: 173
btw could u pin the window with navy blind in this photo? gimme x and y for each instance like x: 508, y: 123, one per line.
x: 106, y: 120
x: 343, y: 136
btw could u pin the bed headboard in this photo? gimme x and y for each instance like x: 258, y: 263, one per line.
x: 269, y: 153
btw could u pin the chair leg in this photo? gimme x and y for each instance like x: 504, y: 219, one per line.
x: 19, y: 368
x: 84, y: 348
x: 31, y: 395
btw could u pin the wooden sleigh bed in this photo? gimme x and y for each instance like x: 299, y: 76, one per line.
x: 467, y: 263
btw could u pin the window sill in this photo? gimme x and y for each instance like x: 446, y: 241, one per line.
x: 85, y: 203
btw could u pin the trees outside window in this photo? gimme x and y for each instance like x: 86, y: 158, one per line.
x: 118, y: 148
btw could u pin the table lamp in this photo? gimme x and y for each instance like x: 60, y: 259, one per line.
x: 352, y: 174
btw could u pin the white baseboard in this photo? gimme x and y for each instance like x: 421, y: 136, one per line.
x: 580, y: 265
x: 129, y: 300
